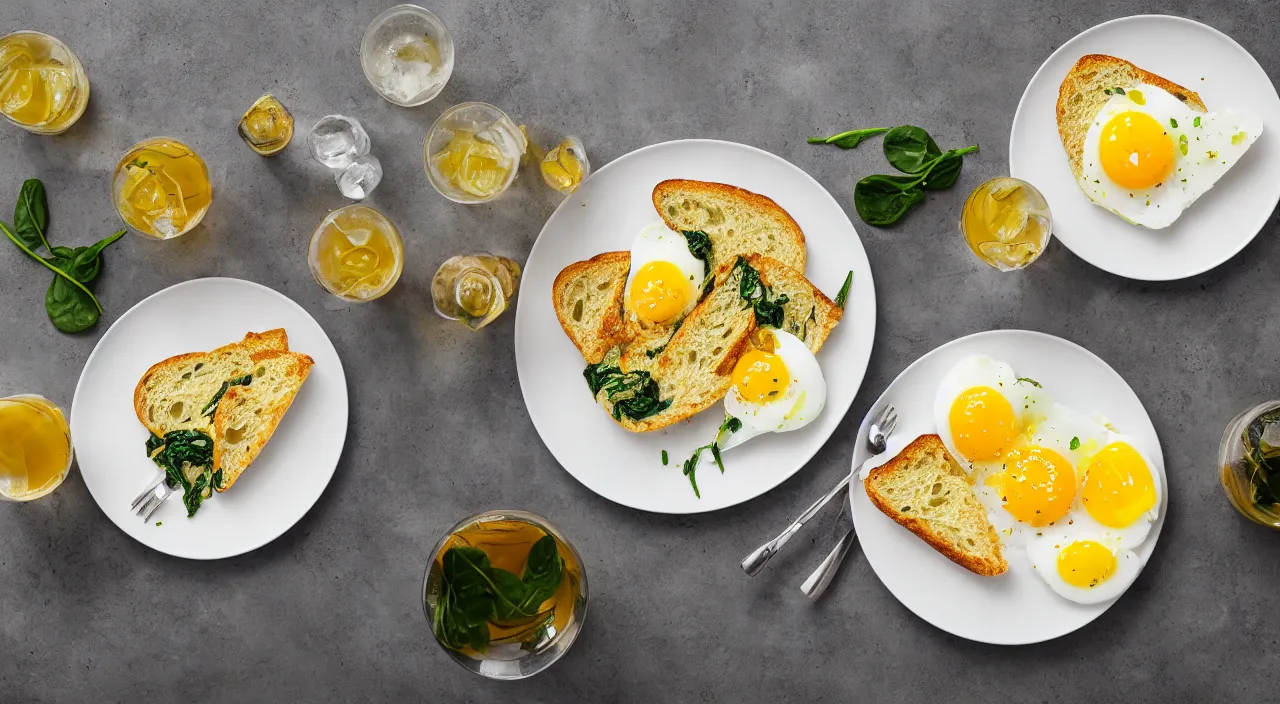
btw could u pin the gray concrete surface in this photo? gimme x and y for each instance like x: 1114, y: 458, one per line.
x: 330, y: 611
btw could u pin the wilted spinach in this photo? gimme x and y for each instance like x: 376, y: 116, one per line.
x: 690, y: 468
x: 632, y: 394
x: 700, y: 247
x: 474, y: 593
x: 769, y: 311
x: 212, y: 405
x: 69, y: 302
x: 1262, y: 459
x: 179, y: 449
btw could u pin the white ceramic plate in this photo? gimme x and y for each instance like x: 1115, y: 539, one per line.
x: 605, y: 215
x: 1016, y: 607
x: 286, y: 479
x: 1216, y: 226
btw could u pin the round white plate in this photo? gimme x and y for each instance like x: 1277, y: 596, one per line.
x: 1016, y: 607
x: 285, y: 480
x: 1221, y: 222
x: 605, y: 215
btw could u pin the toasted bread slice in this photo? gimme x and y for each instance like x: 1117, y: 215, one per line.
x: 174, y: 394
x: 739, y: 222
x: 247, y: 416
x: 1081, y: 96
x: 694, y: 370
x: 588, y: 301
x: 926, y: 492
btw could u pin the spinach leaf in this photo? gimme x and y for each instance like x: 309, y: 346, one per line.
x: 31, y: 215
x: 844, y: 290
x: 850, y: 139
x: 700, y: 247
x: 70, y: 308
x: 212, y: 405
x: 1262, y: 459
x: 769, y: 311
x: 730, y: 426
x: 632, y: 394
x: 910, y: 149
x: 474, y: 593
x: 946, y: 170
x: 177, y: 450
x: 883, y: 200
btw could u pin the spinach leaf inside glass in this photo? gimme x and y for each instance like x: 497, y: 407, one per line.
x: 474, y: 593
x: 1261, y: 441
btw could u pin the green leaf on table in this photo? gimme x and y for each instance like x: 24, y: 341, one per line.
x: 882, y: 199
x: 31, y: 215
x: 850, y: 139
x: 910, y: 149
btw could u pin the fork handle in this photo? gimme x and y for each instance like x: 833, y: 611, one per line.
x: 754, y: 562
x: 817, y: 582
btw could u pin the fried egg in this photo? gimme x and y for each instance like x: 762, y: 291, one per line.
x: 1083, y: 568
x: 1148, y: 156
x: 777, y: 387
x: 665, y: 280
x: 978, y: 410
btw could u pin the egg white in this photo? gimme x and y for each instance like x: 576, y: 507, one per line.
x: 657, y: 242
x: 795, y: 408
x: 1043, y: 552
x: 965, y: 375
x: 1212, y: 148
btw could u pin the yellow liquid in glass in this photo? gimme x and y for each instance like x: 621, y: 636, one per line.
x: 43, y: 87
x: 1006, y: 223
x: 473, y: 165
x: 267, y: 126
x: 356, y: 253
x: 35, y: 447
x: 564, y: 167
x: 161, y: 188
x: 507, y: 544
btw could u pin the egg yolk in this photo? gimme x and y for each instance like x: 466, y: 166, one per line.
x: 1037, y: 485
x: 1135, y: 150
x: 1086, y: 563
x: 982, y: 423
x: 1117, y: 489
x: 659, y: 292
x: 761, y: 376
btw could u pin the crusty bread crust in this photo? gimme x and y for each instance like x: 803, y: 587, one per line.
x: 612, y: 331
x: 762, y: 203
x: 299, y: 370
x: 1080, y: 97
x: 920, y: 447
x: 253, y: 342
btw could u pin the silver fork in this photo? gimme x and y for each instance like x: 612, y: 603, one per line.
x: 877, y: 439
x: 880, y: 429
x: 150, y: 499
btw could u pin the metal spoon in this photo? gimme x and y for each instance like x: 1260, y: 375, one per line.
x: 816, y: 584
x: 876, y: 437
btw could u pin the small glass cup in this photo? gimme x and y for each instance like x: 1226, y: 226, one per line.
x: 474, y: 289
x: 407, y: 55
x: 512, y: 660
x: 32, y: 429
x: 1233, y: 470
x: 472, y: 153
x: 161, y: 188
x: 356, y: 253
x: 43, y: 86
x: 1006, y: 222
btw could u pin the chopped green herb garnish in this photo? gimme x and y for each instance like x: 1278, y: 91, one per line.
x: 1173, y: 123
x: 1182, y: 144
x: 664, y: 458
x: 1031, y: 381
x: 1195, y: 122
x: 1075, y: 443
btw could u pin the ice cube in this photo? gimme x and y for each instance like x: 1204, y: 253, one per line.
x: 359, y: 179
x: 338, y: 141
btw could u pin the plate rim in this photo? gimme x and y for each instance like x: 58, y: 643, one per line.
x: 861, y: 455
x: 346, y: 400
x: 862, y: 377
x: 1201, y: 266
